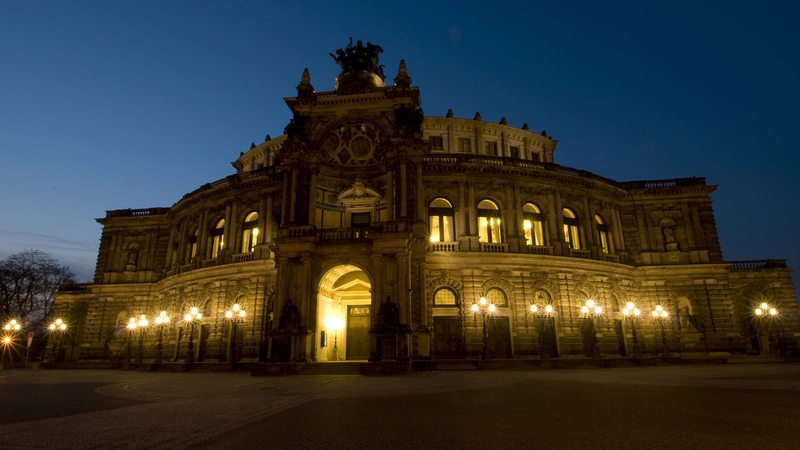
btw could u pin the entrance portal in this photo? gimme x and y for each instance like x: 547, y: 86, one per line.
x: 343, y: 312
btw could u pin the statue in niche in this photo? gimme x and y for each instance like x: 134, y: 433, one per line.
x: 388, y: 315
x: 133, y: 258
x: 290, y: 317
x: 669, y: 234
x: 686, y: 320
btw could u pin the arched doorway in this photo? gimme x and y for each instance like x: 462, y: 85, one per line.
x: 344, y: 303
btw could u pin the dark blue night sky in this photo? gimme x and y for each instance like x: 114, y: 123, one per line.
x: 113, y: 105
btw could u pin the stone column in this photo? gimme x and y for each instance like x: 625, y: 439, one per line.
x: 403, y: 190
x: 615, y: 230
x: 591, y: 225
x: 202, y: 236
x: 293, y: 196
x: 687, y: 225
x: 285, y: 198
x: 473, y: 219
x: 268, y: 220
x: 262, y: 220
x: 375, y: 305
x: 390, y: 194
x: 312, y: 196
x: 184, y: 230
x: 621, y: 230
x: 423, y: 296
x: 168, y: 262
x: 420, y: 194
x: 463, y: 226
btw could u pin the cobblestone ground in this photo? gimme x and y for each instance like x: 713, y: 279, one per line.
x: 681, y: 407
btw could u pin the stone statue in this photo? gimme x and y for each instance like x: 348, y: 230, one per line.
x: 419, y: 116
x: 669, y: 234
x: 290, y: 317
x: 686, y: 320
x: 359, y: 57
x: 449, y: 113
x: 388, y: 315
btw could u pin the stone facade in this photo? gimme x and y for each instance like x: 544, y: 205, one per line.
x: 363, y: 199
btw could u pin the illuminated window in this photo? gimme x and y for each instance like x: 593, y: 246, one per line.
x: 440, y: 220
x: 191, y: 249
x: 249, y: 232
x: 218, y: 238
x: 489, y: 222
x: 532, y: 224
x: 571, y: 229
x: 602, y: 234
x: 444, y: 297
x: 464, y: 145
x: 491, y: 148
x: 496, y: 297
x: 437, y: 143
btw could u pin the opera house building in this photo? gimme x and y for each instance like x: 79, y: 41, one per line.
x: 373, y: 233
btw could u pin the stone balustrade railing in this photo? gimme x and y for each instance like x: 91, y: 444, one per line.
x: 762, y: 264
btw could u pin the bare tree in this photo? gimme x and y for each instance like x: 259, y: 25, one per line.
x: 28, y: 284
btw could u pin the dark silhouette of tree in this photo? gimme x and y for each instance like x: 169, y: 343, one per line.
x: 28, y: 284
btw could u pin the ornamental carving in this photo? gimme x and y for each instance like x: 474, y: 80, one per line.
x: 354, y: 144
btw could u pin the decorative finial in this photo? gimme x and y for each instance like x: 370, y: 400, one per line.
x: 267, y: 138
x: 402, y: 79
x: 449, y: 113
x: 525, y: 126
x: 477, y: 116
x: 544, y: 133
x: 305, y: 88
x: 503, y: 120
x: 252, y: 145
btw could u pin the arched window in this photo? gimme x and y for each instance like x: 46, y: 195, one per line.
x: 217, y: 238
x: 602, y: 234
x: 445, y: 297
x: 249, y: 232
x: 440, y: 220
x: 496, y: 297
x: 489, y: 222
x: 532, y: 224
x: 571, y: 229
x: 192, y: 247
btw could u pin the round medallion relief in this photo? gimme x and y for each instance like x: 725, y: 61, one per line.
x: 353, y: 144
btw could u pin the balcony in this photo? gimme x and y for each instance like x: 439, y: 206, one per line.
x: 445, y: 246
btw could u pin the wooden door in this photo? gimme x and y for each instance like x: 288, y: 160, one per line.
x: 499, y: 337
x: 447, y: 337
x: 358, y: 323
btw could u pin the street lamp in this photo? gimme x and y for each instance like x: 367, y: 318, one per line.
x: 661, y: 315
x: 632, y: 313
x: 190, y: 317
x: 234, y: 314
x: 483, y: 309
x: 56, y: 327
x: 161, y: 320
x: 126, y: 361
x: 142, y: 325
x: 589, y: 311
x: 767, y: 313
x: 542, y: 314
x: 11, y: 329
x: 334, y: 323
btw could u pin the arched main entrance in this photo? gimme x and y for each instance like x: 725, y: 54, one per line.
x: 343, y: 315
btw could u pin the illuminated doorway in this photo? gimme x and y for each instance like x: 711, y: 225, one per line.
x: 343, y: 315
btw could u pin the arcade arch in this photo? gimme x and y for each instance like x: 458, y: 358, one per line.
x: 344, y: 302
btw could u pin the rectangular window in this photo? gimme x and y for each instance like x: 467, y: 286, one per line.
x: 534, y: 232
x: 464, y: 145
x: 359, y: 220
x: 515, y: 152
x: 534, y: 156
x: 491, y: 148
x: 437, y: 143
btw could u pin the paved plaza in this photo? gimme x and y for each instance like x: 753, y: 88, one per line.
x: 677, y: 407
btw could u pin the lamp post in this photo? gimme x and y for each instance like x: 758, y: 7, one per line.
x: 12, y: 329
x: 334, y: 323
x: 190, y: 317
x: 483, y: 309
x: 234, y: 314
x: 542, y: 314
x: 57, y: 328
x: 126, y: 359
x: 767, y: 313
x: 142, y: 325
x: 161, y: 320
x: 589, y: 311
x: 632, y: 313
x: 661, y: 315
